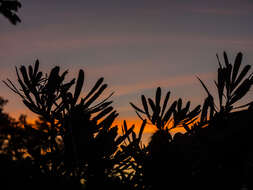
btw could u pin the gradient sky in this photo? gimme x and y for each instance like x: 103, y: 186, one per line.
x: 137, y: 45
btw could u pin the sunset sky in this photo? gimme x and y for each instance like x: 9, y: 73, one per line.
x: 137, y: 45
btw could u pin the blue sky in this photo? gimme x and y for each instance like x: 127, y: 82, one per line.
x: 136, y: 45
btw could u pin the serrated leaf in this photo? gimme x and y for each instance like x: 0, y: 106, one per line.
x: 194, y: 112
x: 139, y: 115
x: 95, y: 96
x: 125, y: 136
x: 107, y: 122
x: 142, y: 129
x: 241, y: 76
x: 54, y: 74
x: 24, y: 88
x: 53, y: 81
x: 79, y: 85
x: 103, y: 113
x: 134, y: 136
x: 136, y: 108
x: 155, y: 116
x: 30, y: 70
x: 226, y: 59
x: 187, y: 106
x: 204, y: 86
x: 32, y: 107
x: 179, y: 104
x: 11, y: 86
x: 36, y: 67
x: 237, y: 64
x: 95, y: 87
x: 100, y: 103
x: 152, y: 104
x: 241, y: 91
x: 100, y: 107
x: 127, y: 131
x: 211, y: 114
x: 145, y: 106
x: 24, y: 75
x: 165, y: 103
x: 221, y: 84
x: 38, y: 77
x: 169, y: 113
x: 205, y: 107
x: 158, y: 96
x: 62, y: 77
x: 228, y: 79
x: 219, y: 61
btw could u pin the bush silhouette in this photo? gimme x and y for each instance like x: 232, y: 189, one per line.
x: 75, y: 144
x: 89, y: 140
x: 216, y: 149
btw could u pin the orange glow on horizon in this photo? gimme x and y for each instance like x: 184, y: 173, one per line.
x: 149, y: 128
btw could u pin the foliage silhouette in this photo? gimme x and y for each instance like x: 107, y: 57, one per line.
x: 175, y: 116
x: 9, y: 9
x: 84, y: 127
x: 164, y: 158
x: 75, y: 140
x: 226, y: 141
x: 214, y: 146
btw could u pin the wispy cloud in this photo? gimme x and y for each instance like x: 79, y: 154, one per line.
x: 162, y: 82
x: 35, y: 41
x: 222, y: 11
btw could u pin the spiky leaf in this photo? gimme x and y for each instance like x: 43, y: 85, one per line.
x: 136, y: 108
x: 165, y: 103
x: 36, y: 67
x: 241, y: 76
x: 145, y: 106
x: 95, y: 96
x: 226, y: 59
x: 237, y: 64
x: 204, y: 86
x: 169, y: 112
x: 158, y: 96
x: 79, y: 85
x: 103, y: 113
x: 95, y: 87
x: 241, y: 91
x: 142, y: 129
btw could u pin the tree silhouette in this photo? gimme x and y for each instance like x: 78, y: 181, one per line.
x: 89, y: 139
x: 75, y: 144
x: 216, y: 149
x: 9, y: 9
x: 226, y: 140
x: 165, y: 156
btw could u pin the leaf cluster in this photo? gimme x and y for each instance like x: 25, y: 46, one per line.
x: 165, y: 119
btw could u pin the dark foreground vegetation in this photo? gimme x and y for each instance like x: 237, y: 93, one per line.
x: 74, y: 144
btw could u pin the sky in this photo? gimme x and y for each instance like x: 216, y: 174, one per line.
x: 136, y: 45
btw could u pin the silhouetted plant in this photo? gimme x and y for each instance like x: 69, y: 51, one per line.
x: 75, y: 140
x: 4, y: 118
x: 4, y: 124
x: 175, y: 116
x: 230, y: 84
x: 208, y: 148
x: 164, y: 155
x: 89, y: 139
x: 132, y: 154
x: 224, y: 137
